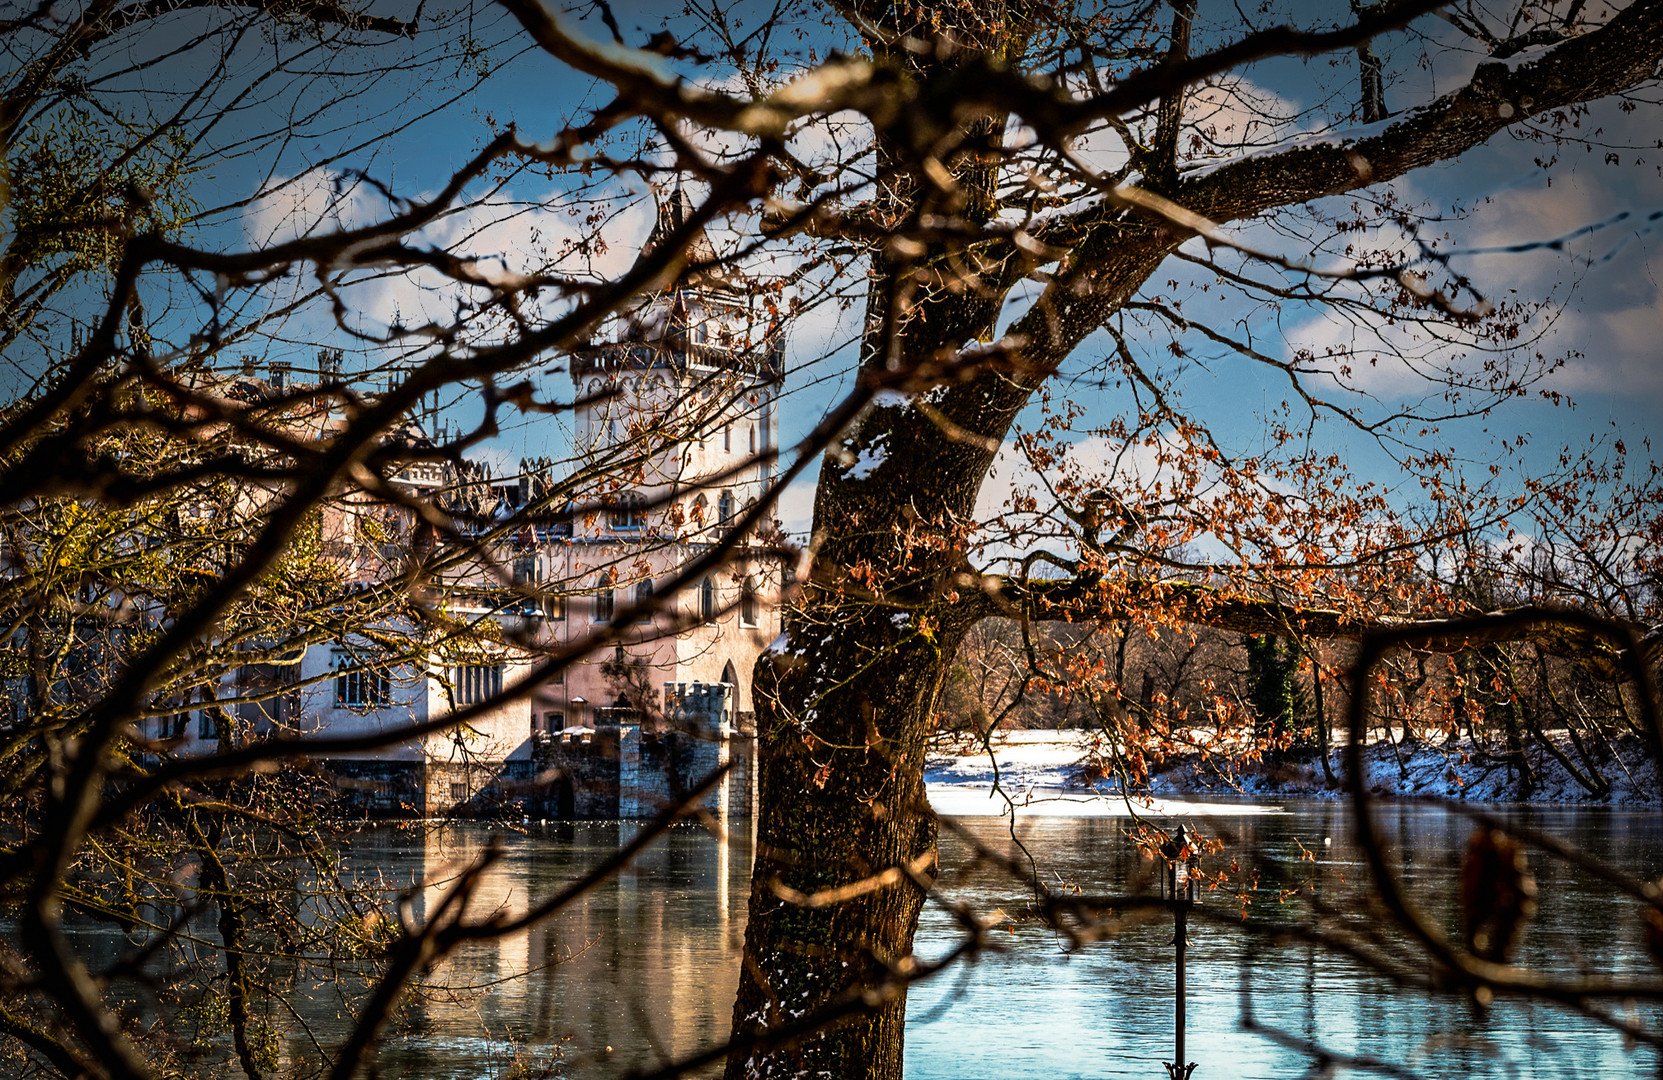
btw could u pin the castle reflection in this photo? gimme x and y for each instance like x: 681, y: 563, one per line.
x: 635, y: 973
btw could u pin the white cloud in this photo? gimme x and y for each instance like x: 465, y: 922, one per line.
x: 1229, y: 116
x: 508, y: 239
x: 310, y: 203
x: 1600, y: 315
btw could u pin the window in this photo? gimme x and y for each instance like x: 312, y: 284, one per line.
x: 727, y: 437
x: 627, y: 512
x: 554, y: 606
x: 172, y: 726
x: 458, y: 790
x: 477, y: 682
x: 525, y: 570
x: 747, y: 604
x: 358, y: 686
x: 701, y: 510
x: 753, y: 438
x: 604, y: 605
x: 207, y: 723
x: 643, y: 598
x: 554, y: 722
x: 707, y: 600
x: 724, y: 507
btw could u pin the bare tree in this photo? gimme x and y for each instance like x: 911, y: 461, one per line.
x: 998, y: 189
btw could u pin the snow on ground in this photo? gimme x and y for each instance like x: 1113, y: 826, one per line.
x: 1035, y: 771
x: 1038, y: 776
x: 1448, y: 772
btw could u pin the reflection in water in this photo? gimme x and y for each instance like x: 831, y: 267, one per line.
x: 647, y: 963
x: 1035, y: 1010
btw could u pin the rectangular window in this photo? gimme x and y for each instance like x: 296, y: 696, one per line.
x: 727, y: 437
x: 604, y: 605
x: 555, y: 607
x: 458, y: 791
x: 207, y: 723
x: 475, y: 683
x: 753, y: 440
x: 358, y: 686
x: 554, y: 722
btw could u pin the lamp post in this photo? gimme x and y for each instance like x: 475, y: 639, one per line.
x: 1180, y: 893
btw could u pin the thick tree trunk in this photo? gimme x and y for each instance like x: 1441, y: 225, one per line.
x: 845, y: 843
x: 846, y: 839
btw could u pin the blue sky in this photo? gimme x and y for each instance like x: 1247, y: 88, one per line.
x: 1605, y: 317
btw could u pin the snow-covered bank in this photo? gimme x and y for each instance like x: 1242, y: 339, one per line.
x: 1037, y: 773
x: 1040, y: 773
x: 1439, y: 770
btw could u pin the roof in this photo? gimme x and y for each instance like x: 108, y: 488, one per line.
x: 674, y: 211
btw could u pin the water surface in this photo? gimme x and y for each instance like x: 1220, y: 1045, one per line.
x: 641, y: 970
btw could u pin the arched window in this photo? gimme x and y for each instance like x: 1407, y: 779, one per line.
x: 747, y: 603
x: 603, y: 605
x: 643, y: 600
x: 707, y: 600
x: 701, y: 510
x: 724, y: 507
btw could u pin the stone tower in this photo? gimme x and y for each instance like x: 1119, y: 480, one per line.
x: 679, y: 395
x: 675, y: 412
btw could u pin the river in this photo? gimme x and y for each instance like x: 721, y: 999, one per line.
x: 641, y: 970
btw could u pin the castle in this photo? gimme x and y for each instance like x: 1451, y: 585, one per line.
x: 673, y: 420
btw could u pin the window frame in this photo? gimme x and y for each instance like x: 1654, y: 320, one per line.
x: 750, y: 611
x: 360, y: 687
x: 707, y: 600
x: 477, y: 682
x: 627, y: 513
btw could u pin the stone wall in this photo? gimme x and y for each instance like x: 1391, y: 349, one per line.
x: 608, y: 773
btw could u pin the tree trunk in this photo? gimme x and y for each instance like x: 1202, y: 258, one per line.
x: 843, y: 811
x: 845, y: 837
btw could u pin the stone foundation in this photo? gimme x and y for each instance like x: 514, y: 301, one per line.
x: 623, y: 772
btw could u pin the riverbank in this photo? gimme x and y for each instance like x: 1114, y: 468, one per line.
x: 1025, y: 763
